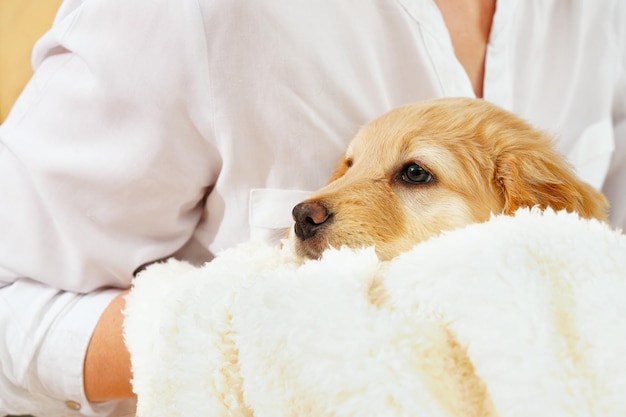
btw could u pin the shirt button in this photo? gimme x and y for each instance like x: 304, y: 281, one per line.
x: 72, y: 405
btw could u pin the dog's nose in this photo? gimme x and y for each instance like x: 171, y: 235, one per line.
x: 309, y: 216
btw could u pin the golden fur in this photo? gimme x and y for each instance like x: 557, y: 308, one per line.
x: 477, y: 159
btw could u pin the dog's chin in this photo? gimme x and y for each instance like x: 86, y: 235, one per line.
x: 309, y: 249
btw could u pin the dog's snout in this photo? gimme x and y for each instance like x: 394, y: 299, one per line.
x: 309, y: 216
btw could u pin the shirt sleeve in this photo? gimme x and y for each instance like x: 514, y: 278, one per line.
x: 615, y: 184
x: 105, y: 160
x: 107, y: 155
x: 43, y: 349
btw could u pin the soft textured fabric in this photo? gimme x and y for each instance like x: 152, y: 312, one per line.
x: 518, y: 316
x: 157, y: 126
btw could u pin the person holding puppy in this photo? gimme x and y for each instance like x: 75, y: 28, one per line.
x: 156, y: 128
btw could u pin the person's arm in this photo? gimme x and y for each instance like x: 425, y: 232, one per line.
x: 104, y: 163
x: 44, y: 333
x: 615, y: 184
x: 107, y: 372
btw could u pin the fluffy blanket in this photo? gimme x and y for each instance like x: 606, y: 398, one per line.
x: 519, y: 316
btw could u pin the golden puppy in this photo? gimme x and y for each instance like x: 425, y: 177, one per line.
x: 425, y: 168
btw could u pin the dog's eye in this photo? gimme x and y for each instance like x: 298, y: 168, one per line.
x: 416, y: 174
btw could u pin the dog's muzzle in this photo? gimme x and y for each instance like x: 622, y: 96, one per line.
x: 310, y: 217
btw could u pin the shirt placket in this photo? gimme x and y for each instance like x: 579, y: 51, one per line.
x: 497, y: 83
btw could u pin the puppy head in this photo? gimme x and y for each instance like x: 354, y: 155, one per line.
x: 425, y: 168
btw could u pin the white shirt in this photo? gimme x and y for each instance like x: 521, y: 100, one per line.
x: 153, y: 125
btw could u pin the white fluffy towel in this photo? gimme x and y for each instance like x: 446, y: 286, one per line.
x: 518, y: 316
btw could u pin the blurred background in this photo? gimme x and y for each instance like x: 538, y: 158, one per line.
x: 22, y: 22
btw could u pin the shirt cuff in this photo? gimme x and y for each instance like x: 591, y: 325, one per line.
x: 62, y: 354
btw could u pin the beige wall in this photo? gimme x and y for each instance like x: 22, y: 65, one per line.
x: 22, y: 22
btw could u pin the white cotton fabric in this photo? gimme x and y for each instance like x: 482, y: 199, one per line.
x: 457, y: 326
x: 147, y: 125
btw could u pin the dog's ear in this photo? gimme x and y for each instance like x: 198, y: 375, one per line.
x: 540, y: 177
x: 341, y: 168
